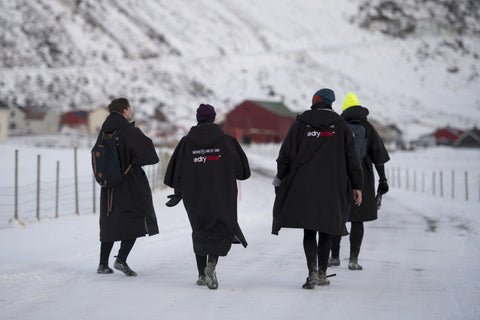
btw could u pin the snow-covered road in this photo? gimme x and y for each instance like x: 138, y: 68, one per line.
x: 420, y: 260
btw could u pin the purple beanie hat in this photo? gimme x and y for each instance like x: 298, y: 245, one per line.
x: 206, y: 113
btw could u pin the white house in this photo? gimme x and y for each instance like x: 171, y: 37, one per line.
x: 4, y: 113
x: 34, y: 120
x: 95, y: 120
x: 17, y: 123
x: 42, y: 120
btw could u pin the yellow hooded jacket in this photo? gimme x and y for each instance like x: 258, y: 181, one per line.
x: 350, y: 101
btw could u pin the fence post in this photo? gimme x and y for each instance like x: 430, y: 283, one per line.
x: 57, y: 189
x: 441, y: 184
x: 423, y: 182
x: 38, y: 187
x: 466, y: 185
x: 433, y: 182
x: 415, y: 180
x: 15, y: 213
x: 453, y: 184
x: 408, y: 182
x: 159, y: 173
x: 76, y: 179
x: 399, y: 179
x: 392, y: 175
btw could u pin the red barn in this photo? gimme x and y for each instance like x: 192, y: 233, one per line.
x: 259, y: 121
x: 447, y: 136
x: 75, y: 119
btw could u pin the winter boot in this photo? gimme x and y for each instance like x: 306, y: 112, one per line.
x: 353, y: 264
x: 123, y: 266
x: 210, y: 276
x: 103, y: 269
x: 334, y: 261
x: 202, y: 280
x: 312, y: 280
x: 322, y: 278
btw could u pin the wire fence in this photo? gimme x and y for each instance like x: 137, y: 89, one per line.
x: 448, y: 184
x: 52, y: 196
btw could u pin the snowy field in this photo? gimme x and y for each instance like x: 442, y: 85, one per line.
x: 421, y: 260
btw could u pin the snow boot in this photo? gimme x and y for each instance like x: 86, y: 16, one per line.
x: 202, y: 280
x: 353, y: 264
x: 210, y: 276
x: 123, y: 266
x: 322, y: 278
x: 103, y: 269
x: 334, y: 261
x: 312, y: 280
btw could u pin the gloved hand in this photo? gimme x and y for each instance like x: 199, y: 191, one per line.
x: 174, y: 200
x: 382, y: 187
x: 276, y: 182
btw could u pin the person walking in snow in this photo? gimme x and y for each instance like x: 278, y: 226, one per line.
x: 374, y: 153
x: 318, y: 178
x: 126, y: 211
x: 203, y: 171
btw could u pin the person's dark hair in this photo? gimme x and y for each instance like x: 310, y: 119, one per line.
x: 118, y: 105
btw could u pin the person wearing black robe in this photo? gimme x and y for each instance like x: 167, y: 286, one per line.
x: 126, y: 211
x: 203, y: 171
x: 376, y: 155
x: 318, y: 178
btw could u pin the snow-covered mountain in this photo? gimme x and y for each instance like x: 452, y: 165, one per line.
x: 413, y: 64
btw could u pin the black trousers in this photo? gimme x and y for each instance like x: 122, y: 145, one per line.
x: 356, y: 237
x: 125, y: 248
x: 316, y: 252
x: 202, y: 262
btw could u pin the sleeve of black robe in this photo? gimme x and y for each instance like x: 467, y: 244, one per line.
x: 288, y: 151
x: 242, y: 168
x: 377, y: 152
x: 173, y: 173
x: 142, y: 149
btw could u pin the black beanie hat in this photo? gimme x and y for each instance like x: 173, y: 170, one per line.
x: 206, y: 113
x: 326, y: 95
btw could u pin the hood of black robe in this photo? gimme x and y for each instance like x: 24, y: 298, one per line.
x: 114, y: 121
x: 205, y: 134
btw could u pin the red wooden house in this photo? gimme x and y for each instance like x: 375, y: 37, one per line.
x: 75, y: 119
x: 447, y: 136
x: 259, y: 121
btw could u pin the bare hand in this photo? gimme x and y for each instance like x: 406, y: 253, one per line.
x: 357, y: 197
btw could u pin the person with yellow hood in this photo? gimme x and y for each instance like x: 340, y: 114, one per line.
x: 371, y: 152
x: 318, y: 178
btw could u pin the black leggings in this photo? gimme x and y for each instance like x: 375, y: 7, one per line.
x: 356, y: 237
x: 125, y: 248
x: 202, y: 262
x: 314, y: 251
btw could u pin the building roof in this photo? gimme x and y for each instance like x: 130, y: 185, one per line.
x: 276, y: 107
x: 448, y: 132
x: 3, y: 105
x: 79, y: 113
x: 35, y: 112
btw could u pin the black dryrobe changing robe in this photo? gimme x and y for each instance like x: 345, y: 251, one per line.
x: 203, y: 169
x: 319, y: 166
x: 132, y: 214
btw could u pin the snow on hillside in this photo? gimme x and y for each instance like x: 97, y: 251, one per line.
x: 420, y: 258
x: 175, y: 55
